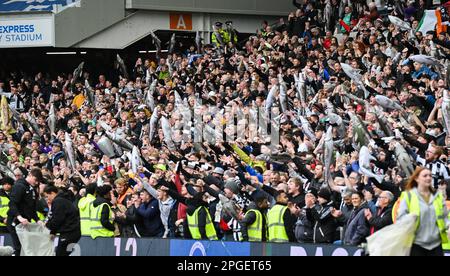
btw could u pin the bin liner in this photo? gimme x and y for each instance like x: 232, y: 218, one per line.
x: 35, y: 240
x: 393, y: 240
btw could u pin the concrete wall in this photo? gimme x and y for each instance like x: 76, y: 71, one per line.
x: 260, y: 7
x: 76, y: 24
x: 115, y: 24
x: 139, y: 25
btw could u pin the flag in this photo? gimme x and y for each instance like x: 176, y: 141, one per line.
x: 5, y: 116
x: 428, y: 22
x: 345, y: 26
x: 79, y: 100
x: 224, y: 225
x: 440, y: 27
x: 431, y: 20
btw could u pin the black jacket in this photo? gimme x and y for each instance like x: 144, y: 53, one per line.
x: 63, y: 217
x: 324, y: 223
x: 357, y: 228
x: 298, y: 200
x: 23, y: 201
x: 297, y: 26
x: 379, y: 221
x: 313, y: 181
x: 104, y: 218
x: 420, y: 146
x: 150, y: 214
x: 387, y: 186
x: 134, y: 221
x: 289, y: 224
x: 126, y: 224
x: 304, y: 228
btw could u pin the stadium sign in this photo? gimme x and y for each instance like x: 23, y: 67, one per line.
x: 36, y: 31
x: 181, y: 21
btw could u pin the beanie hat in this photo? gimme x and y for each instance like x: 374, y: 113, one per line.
x: 232, y: 185
x: 325, y: 194
x: 312, y: 191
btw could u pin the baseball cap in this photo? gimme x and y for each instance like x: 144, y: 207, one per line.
x: 161, y: 167
x: 218, y: 170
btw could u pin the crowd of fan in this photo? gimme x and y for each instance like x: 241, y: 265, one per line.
x: 174, y: 177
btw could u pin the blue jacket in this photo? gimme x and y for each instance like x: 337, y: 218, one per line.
x: 253, y: 172
x: 150, y: 214
x: 357, y: 228
x: 354, y: 167
x: 55, y: 159
x: 325, y: 75
x: 425, y: 71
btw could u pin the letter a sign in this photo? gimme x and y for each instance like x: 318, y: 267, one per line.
x: 181, y: 21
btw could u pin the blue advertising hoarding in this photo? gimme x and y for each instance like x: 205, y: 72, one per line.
x: 208, y: 248
x: 181, y: 248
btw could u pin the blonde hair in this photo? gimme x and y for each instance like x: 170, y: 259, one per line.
x: 120, y: 182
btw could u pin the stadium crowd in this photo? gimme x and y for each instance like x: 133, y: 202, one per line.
x: 308, y: 131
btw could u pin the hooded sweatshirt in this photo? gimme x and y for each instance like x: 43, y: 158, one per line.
x: 164, y: 207
x: 83, y: 205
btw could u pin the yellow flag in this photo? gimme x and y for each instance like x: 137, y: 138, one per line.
x: 79, y: 100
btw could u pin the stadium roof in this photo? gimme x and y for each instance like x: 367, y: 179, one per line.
x: 55, y: 6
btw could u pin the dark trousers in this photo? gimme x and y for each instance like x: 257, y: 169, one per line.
x: 15, y: 239
x: 4, y: 229
x: 159, y: 235
x: 64, y: 241
x: 418, y: 251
